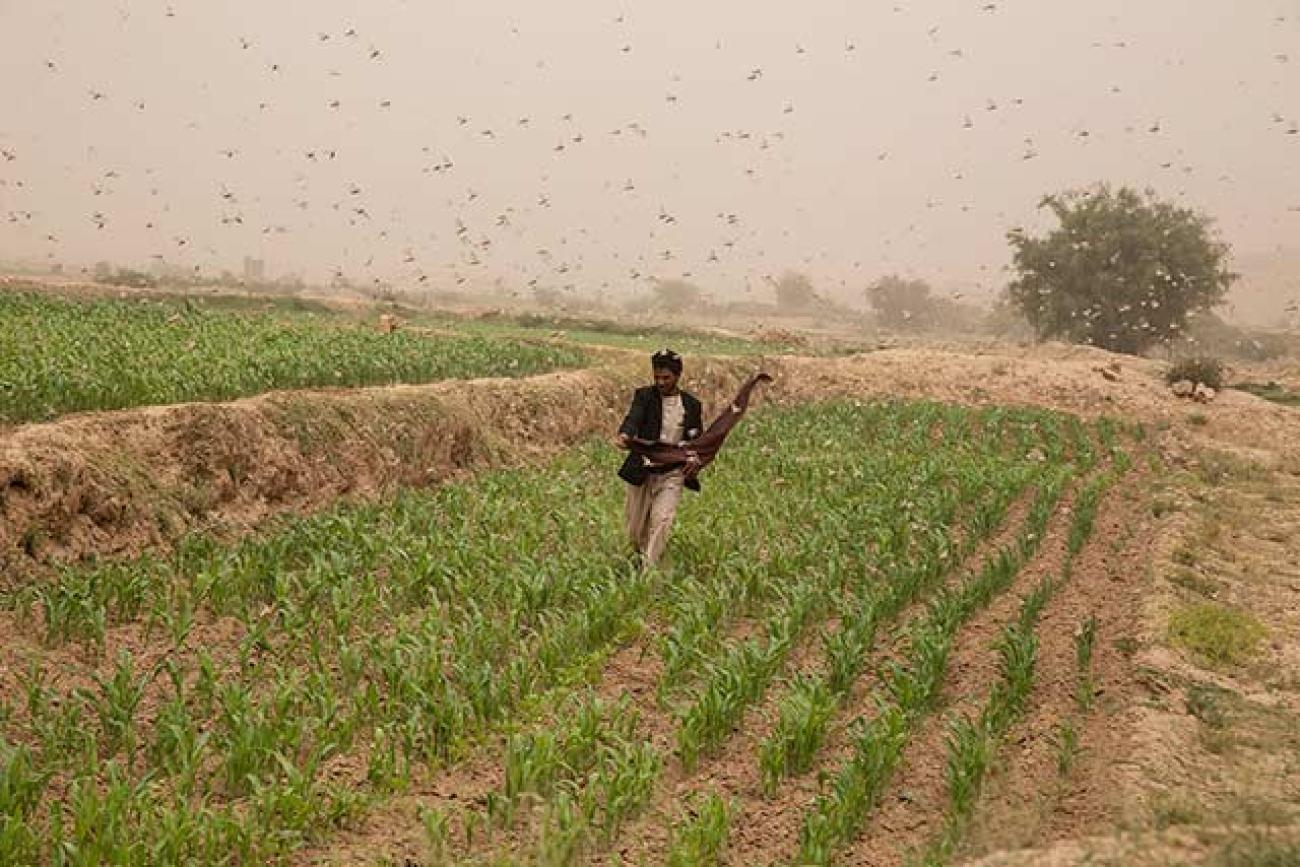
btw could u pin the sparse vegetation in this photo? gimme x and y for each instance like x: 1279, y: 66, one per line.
x: 1270, y: 391
x: 1172, y: 810
x: 1208, y: 703
x: 1216, y: 633
x: 1195, y: 582
x: 1257, y: 848
x: 1065, y: 737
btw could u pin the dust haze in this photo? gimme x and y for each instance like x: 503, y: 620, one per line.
x: 588, y: 148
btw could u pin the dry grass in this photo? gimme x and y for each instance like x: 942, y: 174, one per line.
x: 1217, y: 634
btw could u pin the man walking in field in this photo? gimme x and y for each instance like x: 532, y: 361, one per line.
x: 660, y: 413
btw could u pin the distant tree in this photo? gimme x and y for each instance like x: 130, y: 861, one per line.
x: 795, y: 292
x: 1122, y: 271
x: 901, y: 303
x: 675, y: 296
x: 548, y: 296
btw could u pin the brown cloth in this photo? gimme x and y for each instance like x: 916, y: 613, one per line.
x: 699, y: 452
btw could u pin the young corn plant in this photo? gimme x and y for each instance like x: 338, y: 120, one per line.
x: 973, y: 742
x: 698, y: 838
x: 627, y: 775
x: 742, y: 678
x: 970, y: 750
x: 21, y: 786
x: 1065, y: 736
x: 116, y: 703
x: 1085, y: 637
x: 800, y: 729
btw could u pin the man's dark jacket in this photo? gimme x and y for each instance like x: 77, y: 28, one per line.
x: 645, y: 419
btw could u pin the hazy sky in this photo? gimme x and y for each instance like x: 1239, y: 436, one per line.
x: 593, y: 145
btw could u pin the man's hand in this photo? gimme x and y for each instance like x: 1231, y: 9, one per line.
x: 621, y: 441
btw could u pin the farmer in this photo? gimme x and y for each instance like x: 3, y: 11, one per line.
x: 660, y: 413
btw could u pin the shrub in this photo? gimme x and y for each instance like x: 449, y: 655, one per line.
x: 1198, y: 370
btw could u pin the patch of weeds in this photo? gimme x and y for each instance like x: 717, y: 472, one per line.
x: 1257, y: 810
x: 1198, y: 419
x: 316, y: 426
x: 32, y: 541
x: 1217, y: 742
x: 1216, y: 633
x: 1215, y: 468
x: 1195, y: 582
x: 1211, y: 527
x: 1161, y: 507
x: 1127, y: 646
x: 1208, y: 703
x: 1168, y: 811
x: 1185, y: 556
x: 198, y: 498
x: 1257, y: 849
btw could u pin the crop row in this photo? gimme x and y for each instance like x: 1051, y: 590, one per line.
x: 58, y: 355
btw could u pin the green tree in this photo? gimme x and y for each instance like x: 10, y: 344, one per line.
x: 1122, y: 271
x: 901, y: 303
x: 676, y: 296
x: 795, y: 292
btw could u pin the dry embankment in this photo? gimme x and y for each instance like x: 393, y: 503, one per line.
x: 116, y: 483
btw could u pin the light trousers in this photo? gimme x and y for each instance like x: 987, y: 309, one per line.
x: 649, y: 512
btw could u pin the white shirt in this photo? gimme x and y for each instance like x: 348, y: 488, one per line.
x: 674, y: 419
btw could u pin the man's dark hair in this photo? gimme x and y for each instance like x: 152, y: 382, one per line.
x: 666, y: 359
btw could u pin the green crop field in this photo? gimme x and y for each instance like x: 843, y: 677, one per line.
x: 242, y: 703
x: 600, y: 332
x: 59, y: 355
